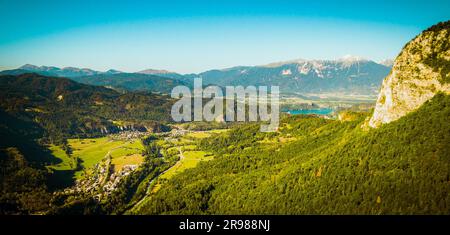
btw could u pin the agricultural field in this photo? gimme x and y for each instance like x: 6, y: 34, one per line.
x: 205, y: 134
x: 120, y: 162
x: 91, y: 151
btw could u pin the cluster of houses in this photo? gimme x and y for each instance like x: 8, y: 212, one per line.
x: 128, y: 135
x: 115, y: 178
x: 102, y: 181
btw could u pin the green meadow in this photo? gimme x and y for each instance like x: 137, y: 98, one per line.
x: 91, y: 151
x: 190, y: 160
x: 67, y: 162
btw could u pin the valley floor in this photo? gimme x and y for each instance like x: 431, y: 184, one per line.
x: 92, y: 162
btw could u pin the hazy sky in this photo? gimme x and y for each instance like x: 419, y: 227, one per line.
x: 193, y: 36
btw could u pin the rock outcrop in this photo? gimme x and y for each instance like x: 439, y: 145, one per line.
x: 421, y: 70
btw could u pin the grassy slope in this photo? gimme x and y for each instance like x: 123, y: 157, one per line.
x: 330, y: 167
x: 190, y: 160
x: 66, y: 162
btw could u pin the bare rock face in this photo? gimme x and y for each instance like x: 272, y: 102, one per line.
x: 421, y: 70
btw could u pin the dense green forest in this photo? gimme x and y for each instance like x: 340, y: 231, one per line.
x: 23, y: 188
x: 62, y: 108
x: 132, y: 81
x: 318, y: 166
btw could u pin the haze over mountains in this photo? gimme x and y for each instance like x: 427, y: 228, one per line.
x: 350, y: 74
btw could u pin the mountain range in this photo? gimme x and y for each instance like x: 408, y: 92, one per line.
x: 350, y: 74
x: 64, y: 72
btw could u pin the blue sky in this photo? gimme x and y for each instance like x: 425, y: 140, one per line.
x: 193, y: 36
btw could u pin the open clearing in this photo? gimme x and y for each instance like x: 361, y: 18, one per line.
x: 92, y: 151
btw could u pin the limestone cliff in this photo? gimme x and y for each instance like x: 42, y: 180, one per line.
x: 421, y: 70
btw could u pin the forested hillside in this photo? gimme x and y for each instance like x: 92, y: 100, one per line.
x: 318, y: 166
x: 62, y: 108
x: 23, y: 188
x: 133, y: 82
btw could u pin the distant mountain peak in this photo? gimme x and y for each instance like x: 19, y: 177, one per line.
x: 352, y: 58
x: 155, y: 71
x: 113, y: 71
x: 65, y: 71
x: 387, y: 62
x: 280, y: 63
x: 28, y: 66
x: 346, y: 60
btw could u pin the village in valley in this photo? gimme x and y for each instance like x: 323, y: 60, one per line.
x: 104, y: 162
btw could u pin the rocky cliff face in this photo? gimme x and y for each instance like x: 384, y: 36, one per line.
x: 421, y: 70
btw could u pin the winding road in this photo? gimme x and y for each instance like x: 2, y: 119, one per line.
x: 149, y: 187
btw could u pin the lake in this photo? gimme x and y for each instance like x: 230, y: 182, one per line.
x: 324, y: 111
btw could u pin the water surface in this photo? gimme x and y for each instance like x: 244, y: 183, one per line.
x: 324, y: 111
